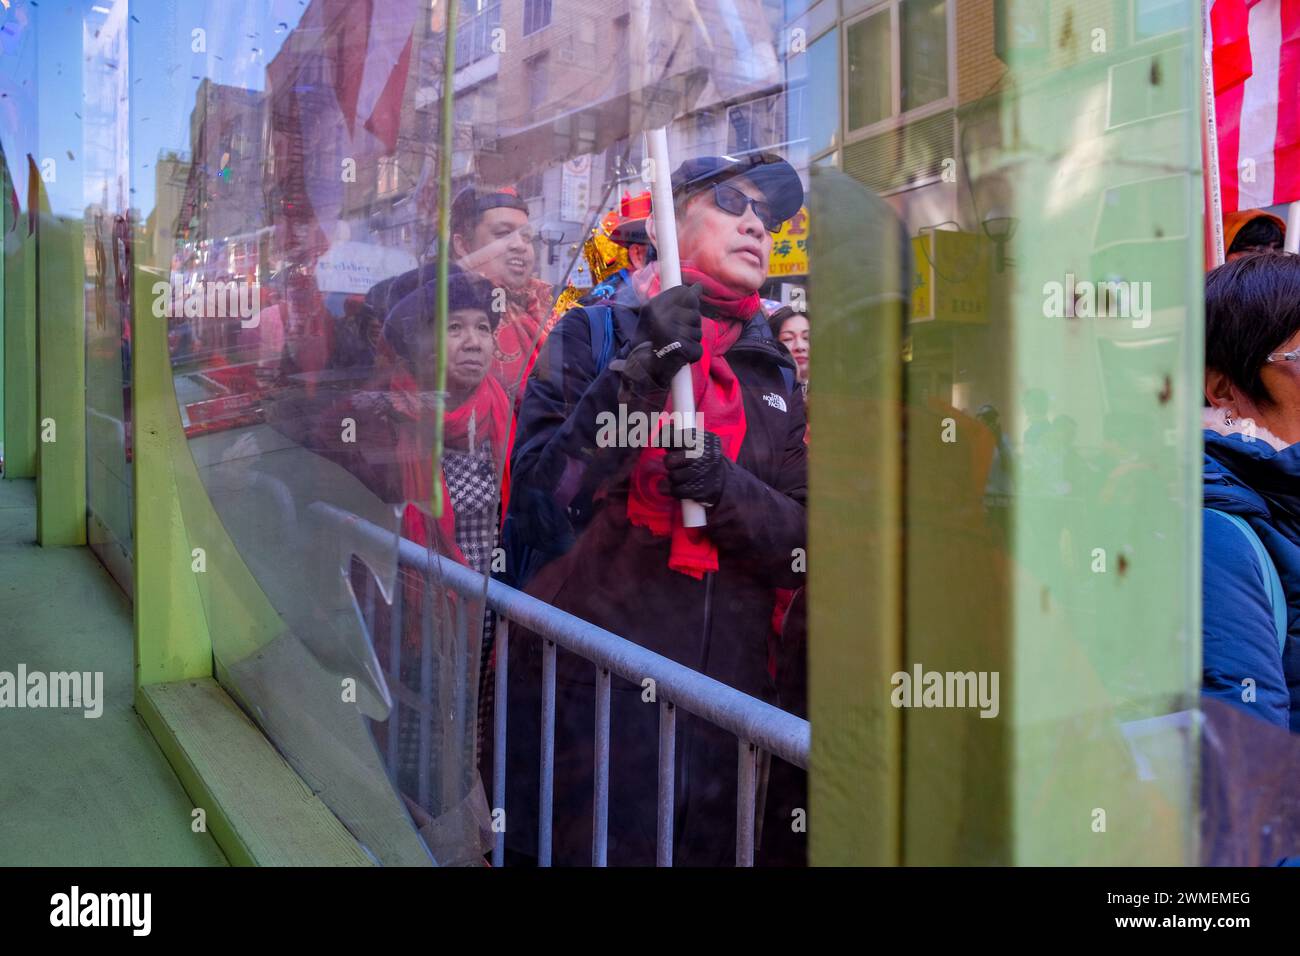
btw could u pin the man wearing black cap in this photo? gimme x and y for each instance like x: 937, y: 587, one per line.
x: 492, y: 237
x: 633, y: 236
x: 605, y: 503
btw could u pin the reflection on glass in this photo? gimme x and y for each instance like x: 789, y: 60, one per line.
x: 291, y: 170
x: 107, y: 229
x: 359, y: 457
x: 869, y: 58
x: 923, y: 52
x: 820, y: 102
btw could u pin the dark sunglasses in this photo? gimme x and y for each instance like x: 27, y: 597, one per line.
x: 732, y: 200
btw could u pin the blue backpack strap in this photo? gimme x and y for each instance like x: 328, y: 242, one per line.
x: 601, y: 319
x: 1276, y: 597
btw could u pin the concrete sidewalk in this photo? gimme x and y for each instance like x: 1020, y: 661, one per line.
x: 77, y: 791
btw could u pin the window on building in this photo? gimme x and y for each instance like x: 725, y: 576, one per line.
x: 387, y: 175
x: 897, y: 60
x: 820, y: 123
x: 474, y: 37
x: 485, y: 106
x: 630, y: 153
x: 620, y: 34
x: 535, y: 70
x: 870, y: 62
x: 476, y: 107
x: 537, y: 14
x: 758, y: 124
x: 530, y: 186
x: 923, y: 52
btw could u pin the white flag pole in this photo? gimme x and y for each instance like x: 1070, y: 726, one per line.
x: 670, y: 274
x: 1210, y: 147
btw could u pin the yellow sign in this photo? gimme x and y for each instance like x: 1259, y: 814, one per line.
x: 949, y: 277
x: 790, y: 247
x: 922, y: 279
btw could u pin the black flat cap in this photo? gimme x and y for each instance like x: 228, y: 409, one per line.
x: 770, y: 173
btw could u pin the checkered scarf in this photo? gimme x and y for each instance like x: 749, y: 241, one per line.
x: 472, y: 489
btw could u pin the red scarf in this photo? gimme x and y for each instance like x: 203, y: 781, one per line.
x: 721, y: 409
x: 716, y: 296
x: 520, y: 335
x: 488, y: 407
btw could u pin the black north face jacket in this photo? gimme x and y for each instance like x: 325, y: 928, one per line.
x: 569, y: 503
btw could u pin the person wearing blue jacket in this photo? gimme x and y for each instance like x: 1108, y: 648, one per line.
x: 1251, y: 543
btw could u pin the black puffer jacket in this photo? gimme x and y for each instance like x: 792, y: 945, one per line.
x: 569, y: 495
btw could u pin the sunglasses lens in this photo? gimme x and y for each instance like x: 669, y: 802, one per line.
x: 730, y: 199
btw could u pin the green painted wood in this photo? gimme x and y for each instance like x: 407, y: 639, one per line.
x: 179, y: 608
x: 1076, y: 581
x: 853, y: 513
x: 61, y: 378
x: 1090, y: 158
x: 76, y: 790
x: 20, y: 345
x: 257, y: 809
x: 171, y: 636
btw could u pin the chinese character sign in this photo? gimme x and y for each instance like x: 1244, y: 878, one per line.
x: 790, y: 247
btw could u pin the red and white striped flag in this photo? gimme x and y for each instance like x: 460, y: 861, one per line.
x: 1256, y: 57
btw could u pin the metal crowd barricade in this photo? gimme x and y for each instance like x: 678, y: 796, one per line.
x: 756, y: 724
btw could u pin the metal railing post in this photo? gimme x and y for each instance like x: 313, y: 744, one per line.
x: 754, y: 723
x: 745, y: 804
x: 600, y: 812
x: 395, y: 675
x: 667, y: 782
x: 426, y: 694
x: 546, y: 797
x: 499, y: 740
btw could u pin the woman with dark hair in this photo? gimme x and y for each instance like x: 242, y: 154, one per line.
x: 790, y: 327
x: 1251, y: 553
x: 1252, y: 230
x: 388, y: 446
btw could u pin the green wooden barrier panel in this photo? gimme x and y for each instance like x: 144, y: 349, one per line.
x: 61, y: 352
x: 20, y: 343
x: 1048, y: 456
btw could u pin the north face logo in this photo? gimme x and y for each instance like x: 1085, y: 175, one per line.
x: 775, y: 400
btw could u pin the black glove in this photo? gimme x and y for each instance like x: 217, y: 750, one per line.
x: 696, y: 466
x: 667, y: 336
